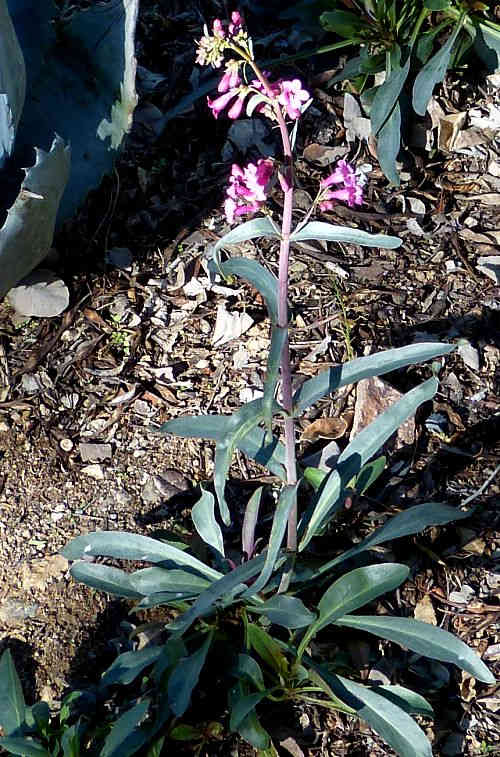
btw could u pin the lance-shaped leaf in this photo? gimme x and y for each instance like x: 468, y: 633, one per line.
x: 388, y: 145
x: 104, y: 578
x: 387, y: 94
x: 198, y: 427
x: 24, y: 747
x: 250, y: 522
x: 353, y: 590
x: 184, y: 678
x: 332, y: 233
x: 26, y: 236
x: 204, y: 521
x: 248, y: 669
x: 126, y: 737
x: 151, y: 580
x: 12, y: 84
x: 408, y: 522
x: 408, y: 700
x: 288, y: 498
x: 128, y: 546
x: 328, y: 381
x: 231, y: 584
x: 391, y: 722
x: 250, y: 728
x: 286, y: 611
x: 278, y: 341
x: 433, y: 72
x: 12, y: 706
x: 256, y: 275
x: 257, y: 227
x: 357, y: 454
x: 271, y: 455
x: 243, y: 706
x: 128, y: 665
x: 424, y: 639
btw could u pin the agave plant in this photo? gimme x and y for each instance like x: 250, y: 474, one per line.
x: 67, y: 96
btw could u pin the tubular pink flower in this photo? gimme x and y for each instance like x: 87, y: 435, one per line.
x: 230, y: 78
x: 343, y: 174
x: 218, y: 105
x: 351, y: 194
x: 292, y: 97
x: 246, y: 192
x: 218, y: 29
x: 236, y: 108
x: 236, y: 23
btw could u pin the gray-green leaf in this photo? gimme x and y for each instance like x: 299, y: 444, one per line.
x: 203, y: 516
x: 125, y: 737
x: 331, y: 233
x: 433, y: 72
x: 185, y: 677
x: 12, y: 706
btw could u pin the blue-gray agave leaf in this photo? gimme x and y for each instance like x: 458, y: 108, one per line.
x: 12, y: 84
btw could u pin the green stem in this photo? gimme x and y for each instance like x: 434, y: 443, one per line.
x: 420, y: 20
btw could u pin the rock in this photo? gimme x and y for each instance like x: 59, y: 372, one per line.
x: 94, y: 471
x: 13, y: 612
x: 92, y: 452
x: 36, y: 574
x: 373, y: 396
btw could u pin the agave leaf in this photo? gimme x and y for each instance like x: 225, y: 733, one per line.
x: 258, y: 276
x: 150, y: 581
x: 424, y: 639
x: 332, y: 233
x: 12, y: 706
x: 257, y: 227
x: 128, y: 546
x: 104, y: 578
x: 26, y: 236
x: 357, y: 454
x: 411, y: 521
x: 128, y: 665
x: 185, y: 676
x: 433, y: 72
x: 286, y: 501
x: 328, y: 381
x: 204, y: 521
x: 12, y: 84
x: 125, y: 737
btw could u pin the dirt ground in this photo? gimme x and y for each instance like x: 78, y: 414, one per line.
x: 81, y: 394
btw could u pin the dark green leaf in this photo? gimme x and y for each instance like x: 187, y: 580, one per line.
x: 487, y: 44
x: 328, y: 381
x: 126, y: 737
x: 184, y: 678
x: 129, y: 546
x: 432, y: 73
x: 285, y: 611
x: 185, y: 732
x: 343, y: 23
x: 203, y: 517
x: 12, y: 706
x: 369, y: 474
x: 258, y: 276
x: 242, y: 706
x: 287, y: 500
x: 250, y: 728
x: 331, y: 233
x: 249, y: 670
x: 437, y: 5
x: 104, y: 578
x: 128, y: 665
x: 23, y: 747
x: 267, y: 648
x: 423, y: 638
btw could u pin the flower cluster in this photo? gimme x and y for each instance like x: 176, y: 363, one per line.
x: 351, y: 192
x: 246, y: 192
x: 211, y: 47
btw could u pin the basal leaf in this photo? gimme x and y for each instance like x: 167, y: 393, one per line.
x: 204, y: 521
x: 388, y: 145
x: 267, y: 648
x: 387, y: 95
x: 128, y: 665
x: 369, y: 474
x: 126, y: 737
x: 328, y: 381
x: 433, y: 72
x: 104, y: 578
x: 331, y: 233
x: 257, y: 227
x: 24, y: 747
x: 271, y: 454
x: 422, y: 638
x: 12, y: 706
x: 152, y: 580
x: 249, y: 670
x: 250, y: 728
x: 250, y: 522
x: 345, y: 24
x: 198, y: 427
x: 408, y: 700
x: 243, y: 706
x: 129, y: 546
x: 185, y: 677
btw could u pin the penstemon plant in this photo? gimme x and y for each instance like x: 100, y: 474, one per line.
x: 259, y: 614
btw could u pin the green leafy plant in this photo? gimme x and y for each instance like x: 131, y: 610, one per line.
x: 67, y: 95
x: 251, y: 618
x: 409, y: 44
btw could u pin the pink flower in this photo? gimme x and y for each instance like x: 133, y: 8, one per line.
x: 343, y: 174
x: 233, y: 100
x: 230, y: 78
x: 246, y: 192
x: 352, y: 195
x: 218, y: 29
x: 292, y: 97
x: 236, y: 23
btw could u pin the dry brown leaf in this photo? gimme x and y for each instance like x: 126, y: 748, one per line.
x: 424, y: 610
x: 325, y: 428
x: 373, y: 396
x: 467, y: 687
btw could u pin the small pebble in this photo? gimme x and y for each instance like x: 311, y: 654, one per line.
x: 94, y: 471
x: 66, y: 445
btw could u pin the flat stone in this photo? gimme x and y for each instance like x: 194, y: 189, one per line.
x: 94, y: 471
x: 13, y: 612
x: 91, y: 453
